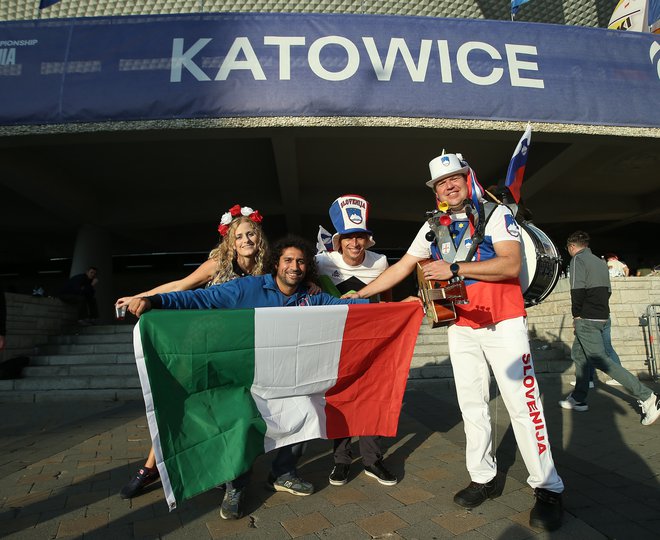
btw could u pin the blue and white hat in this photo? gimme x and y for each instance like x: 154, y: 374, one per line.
x: 349, y: 215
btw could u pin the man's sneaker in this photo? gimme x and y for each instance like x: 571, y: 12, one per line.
x: 613, y: 382
x: 380, y: 473
x: 141, y: 480
x: 591, y: 384
x: 548, y: 510
x: 231, y: 504
x: 339, y: 474
x: 571, y: 403
x: 291, y: 484
x: 473, y: 495
x: 650, y: 409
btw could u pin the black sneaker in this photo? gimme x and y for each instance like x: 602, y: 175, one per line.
x: 339, y: 474
x: 548, y: 510
x: 380, y: 473
x: 141, y: 480
x: 291, y: 484
x: 231, y: 504
x: 475, y: 494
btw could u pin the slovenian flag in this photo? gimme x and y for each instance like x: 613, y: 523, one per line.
x: 475, y: 190
x: 516, y: 171
x: 222, y: 387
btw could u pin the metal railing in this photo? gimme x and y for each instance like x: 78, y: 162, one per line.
x: 650, y: 323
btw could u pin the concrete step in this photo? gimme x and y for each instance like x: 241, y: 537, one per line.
x: 434, y: 349
x: 98, y: 370
x: 72, y: 382
x: 82, y: 359
x: 45, y: 396
x: 105, y: 329
x: 89, y: 348
x: 87, y: 339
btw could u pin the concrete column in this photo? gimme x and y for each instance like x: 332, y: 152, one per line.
x: 92, y: 248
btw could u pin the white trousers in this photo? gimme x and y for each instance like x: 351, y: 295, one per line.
x: 505, y: 347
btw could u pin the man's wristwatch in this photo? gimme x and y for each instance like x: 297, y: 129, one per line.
x: 454, y: 267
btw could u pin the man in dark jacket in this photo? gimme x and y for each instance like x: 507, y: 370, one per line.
x: 590, y: 294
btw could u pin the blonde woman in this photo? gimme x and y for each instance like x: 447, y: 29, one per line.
x: 241, y: 252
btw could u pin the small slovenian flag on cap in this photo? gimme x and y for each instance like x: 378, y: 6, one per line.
x: 475, y: 191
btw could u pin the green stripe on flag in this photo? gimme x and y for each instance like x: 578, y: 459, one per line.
x: 201, y: 368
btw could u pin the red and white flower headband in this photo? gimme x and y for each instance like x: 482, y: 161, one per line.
x: 237, y: 211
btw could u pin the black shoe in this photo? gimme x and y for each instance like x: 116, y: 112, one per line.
x: 339, y: 474
x: 380, y: 473
x: 548, y: 510
x: 231, y: 504
x: 141, y: 480
x: 473, y: 495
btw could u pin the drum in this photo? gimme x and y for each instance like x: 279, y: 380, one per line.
x: 540, y: 265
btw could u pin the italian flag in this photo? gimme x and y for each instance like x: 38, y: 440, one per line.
x: 222, y: 387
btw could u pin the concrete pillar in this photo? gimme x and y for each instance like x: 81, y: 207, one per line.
x: 92, y: 248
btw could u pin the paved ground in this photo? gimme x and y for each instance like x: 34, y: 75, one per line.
x: 62, y: 465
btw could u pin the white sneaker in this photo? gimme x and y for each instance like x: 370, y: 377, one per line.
x: 571, y: 403
x: 650, y: 409
x: 591, y: 384
x: 613, y: 382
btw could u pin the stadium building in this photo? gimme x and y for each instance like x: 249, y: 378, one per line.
x: 128, y: 128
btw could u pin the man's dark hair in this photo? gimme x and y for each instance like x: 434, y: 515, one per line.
x: 578, y: 238
x: 298, y: 243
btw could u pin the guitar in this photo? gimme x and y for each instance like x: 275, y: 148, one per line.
x: 439, y: 296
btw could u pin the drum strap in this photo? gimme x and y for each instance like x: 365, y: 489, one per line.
x: 442, y: 247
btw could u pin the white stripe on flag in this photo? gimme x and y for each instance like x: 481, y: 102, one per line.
x: 296, y: 361
x: 151, y: 416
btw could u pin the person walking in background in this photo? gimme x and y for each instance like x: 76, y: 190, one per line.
x: 349, y: 267
x: 590, y: 293
x: 80, y: 290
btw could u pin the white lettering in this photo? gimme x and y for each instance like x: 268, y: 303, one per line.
x: 384, y: 72
x: 463, y: 66
x: 352, y: 64
x: 515, y: 65
x: 486, y: 67
x: 231, y: 62
x: 445, y: 61
x: 181, y: 60
x: 284, y: 44
x: 8, y: 57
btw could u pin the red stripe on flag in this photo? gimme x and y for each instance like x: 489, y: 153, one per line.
x: 514, y: 188
x: 374, y: 364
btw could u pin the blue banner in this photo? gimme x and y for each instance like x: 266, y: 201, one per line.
x: 241, y: 65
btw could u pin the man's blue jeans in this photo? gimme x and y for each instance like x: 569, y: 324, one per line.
x: 589, y: 348
x: 607, y: 338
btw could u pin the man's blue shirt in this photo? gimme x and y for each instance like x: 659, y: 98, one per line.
x: 248, y: 292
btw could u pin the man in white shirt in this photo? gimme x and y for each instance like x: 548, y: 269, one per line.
x: 347, y: 268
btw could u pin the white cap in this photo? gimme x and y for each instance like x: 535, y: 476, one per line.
x: 446, y: 165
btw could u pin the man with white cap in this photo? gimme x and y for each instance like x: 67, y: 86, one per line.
x: 479, y: 242
x: 348, y: 267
